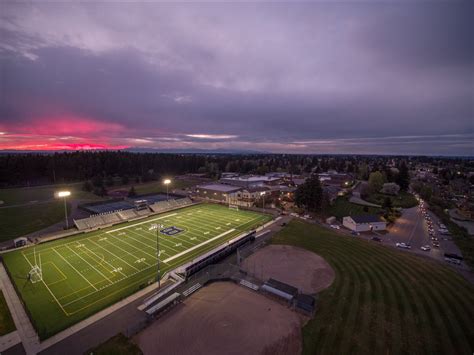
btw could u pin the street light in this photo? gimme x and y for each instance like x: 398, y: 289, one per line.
x: 167, y: 182
x: 64, y: 194
x: 156, y: 227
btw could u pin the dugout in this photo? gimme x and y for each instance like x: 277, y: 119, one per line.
x: 280, y: 289
x: 19, y: 242
x: 305, y: 303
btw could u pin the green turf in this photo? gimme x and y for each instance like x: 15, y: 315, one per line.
x: 6, y: 321
x: 27, y: 195
x: 341, y: 207
x: 158, y: 187
x: 83, y: 274
x: 117, y: 345
x: 403, y: 199
x: 383, y: 301
x: 18, y: 221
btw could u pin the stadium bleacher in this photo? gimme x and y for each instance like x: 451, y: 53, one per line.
x: 127, y: 214
x: 104, y: 219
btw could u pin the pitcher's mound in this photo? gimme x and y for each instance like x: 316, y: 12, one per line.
x: 300, y: 268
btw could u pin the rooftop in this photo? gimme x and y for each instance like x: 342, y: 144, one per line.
x: 219, y: 187
x: 366, y: 219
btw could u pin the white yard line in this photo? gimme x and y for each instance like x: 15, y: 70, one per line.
x: 113, y: 267
x: 115, y: 245
x: 67, y: 262
x: 137, y: 224
x: 88, y: 263
x: 198, y: 245
x: 116, y: 256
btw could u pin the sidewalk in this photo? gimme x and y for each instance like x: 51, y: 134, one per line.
x: 25, y: 329
x: 9, y: 340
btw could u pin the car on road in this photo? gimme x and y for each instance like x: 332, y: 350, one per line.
x: 335, y: 226
x: 436, y: 244
x: 403, y: 245
x: 425, y: 248
x: 283, y: 224
x: 434, y: 239
x: 376, y: 239
x: 354, y: 233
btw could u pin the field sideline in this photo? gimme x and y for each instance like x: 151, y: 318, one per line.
x: 84, y: 274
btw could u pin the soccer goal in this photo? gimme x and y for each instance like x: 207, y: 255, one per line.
x: 36, y: 274
x: 234, y: 207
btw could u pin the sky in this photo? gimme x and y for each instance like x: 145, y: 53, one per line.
x: 363, y: 77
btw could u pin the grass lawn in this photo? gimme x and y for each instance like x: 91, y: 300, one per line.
x: 341, y: 207
x: 85, y: 273
x: 403, y: 199
x: 383, y: 301
x: 6, y: 321
x: 18, y: 221
x: 117, y: 345
x: 158, y: 187
x: 42, y: 193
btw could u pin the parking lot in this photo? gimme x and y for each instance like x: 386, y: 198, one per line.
x: 419, y: 228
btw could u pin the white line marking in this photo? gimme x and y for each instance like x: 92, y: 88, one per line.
x: 136, y: 224
x: 67, y: 262
x: 198, y: 245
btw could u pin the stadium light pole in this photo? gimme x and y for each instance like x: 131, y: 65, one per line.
x: 167, y: 182
x: 155, y: 227
x: 263, y: 196
x: 63, y: 195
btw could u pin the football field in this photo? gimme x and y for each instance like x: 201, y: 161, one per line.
x: 83, y: 274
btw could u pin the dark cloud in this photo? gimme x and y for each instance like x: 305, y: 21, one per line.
x: 245, y: 75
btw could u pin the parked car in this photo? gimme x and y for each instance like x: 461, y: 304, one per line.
x: 376, y: 239
x: 335, y: 226
x: 355, y: 233
x: 283, y: 224
x: 453, y: 258
x: 403, y: 245
x: 425, y: 248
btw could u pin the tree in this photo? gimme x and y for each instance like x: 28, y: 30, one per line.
x: 132, y: 192
x: 310, y: 194
x: 403, y: 178
x: 426, y: 192
x: 87, y: 186
x: 390, y: 188
x: 376, y: 181
x: 387, y: 203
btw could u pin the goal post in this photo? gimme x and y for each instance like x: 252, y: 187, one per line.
x: 36, y: 274
x: 234, y: 207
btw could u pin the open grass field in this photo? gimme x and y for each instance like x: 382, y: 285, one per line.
x: 6, y: 321
x: 384, y: 301
x: 26, y: 210
x: 25, y: 195
x: 342, y: 207
x: 22, y: 220
x: 84, y: 274
x: 403, y: 199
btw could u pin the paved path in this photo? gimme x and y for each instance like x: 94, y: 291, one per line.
x: 23, y: 325
x: 9, y: 340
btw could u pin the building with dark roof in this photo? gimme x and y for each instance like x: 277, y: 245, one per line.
x: 280, y: 289
x: 217, y: 192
